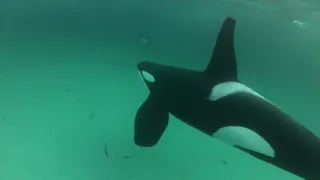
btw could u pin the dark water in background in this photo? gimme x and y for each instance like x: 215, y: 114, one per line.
x: 69, y: 84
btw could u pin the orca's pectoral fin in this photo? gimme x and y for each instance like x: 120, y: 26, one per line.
x: 150, y: 122
x: 223, y: 63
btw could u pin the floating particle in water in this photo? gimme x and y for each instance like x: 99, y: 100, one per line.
x: 68, y: 90
x: 91, y: 115
x: 144, y: 41
x: 126, y: 157
x: 300, y: 24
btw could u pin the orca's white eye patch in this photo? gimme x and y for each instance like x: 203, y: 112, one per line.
x: 147, y: 76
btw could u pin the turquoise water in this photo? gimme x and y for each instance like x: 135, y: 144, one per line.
x: 70, y: 87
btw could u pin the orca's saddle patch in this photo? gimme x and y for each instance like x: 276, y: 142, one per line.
x: 244, y: 138
x: 228, y: 88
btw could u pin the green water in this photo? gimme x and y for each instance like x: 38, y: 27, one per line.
x: 70, y: 87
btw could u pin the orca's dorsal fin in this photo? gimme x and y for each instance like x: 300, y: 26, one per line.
x: 223, y: 63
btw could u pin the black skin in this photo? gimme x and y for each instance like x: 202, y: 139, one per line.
x: 184, y: 93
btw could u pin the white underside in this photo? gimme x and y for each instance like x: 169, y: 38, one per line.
x: 245, y: 138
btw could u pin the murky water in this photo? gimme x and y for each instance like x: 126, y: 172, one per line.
x: 70, y: 88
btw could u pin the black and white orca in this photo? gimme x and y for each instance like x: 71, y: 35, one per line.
x: 215, y: 102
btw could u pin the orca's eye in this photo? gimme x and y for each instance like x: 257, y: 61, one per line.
x: 147, y: 76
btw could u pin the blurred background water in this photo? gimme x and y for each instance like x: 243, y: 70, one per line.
x: 70, y: 88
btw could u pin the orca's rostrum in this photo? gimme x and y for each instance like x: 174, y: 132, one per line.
x: 215, y: 102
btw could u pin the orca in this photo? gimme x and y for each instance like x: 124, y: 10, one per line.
x: 215, y: 102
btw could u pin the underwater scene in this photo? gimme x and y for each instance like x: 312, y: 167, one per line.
x: 160, y: 90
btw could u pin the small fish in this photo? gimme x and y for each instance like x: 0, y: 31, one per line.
x: 91, y: 115
x: 77, y: 101
x: 106, y: 151
x: 223, y: 161
x: 126, y: 157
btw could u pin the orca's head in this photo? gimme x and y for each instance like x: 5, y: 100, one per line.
x: 151, y: 74
x: 170, y: 82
